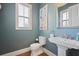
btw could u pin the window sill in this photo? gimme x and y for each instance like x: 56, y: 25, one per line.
x: 23, y: 28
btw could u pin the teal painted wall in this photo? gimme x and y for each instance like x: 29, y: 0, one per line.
x: 12, y: 39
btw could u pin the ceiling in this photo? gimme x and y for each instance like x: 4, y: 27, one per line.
x: 59, y: 4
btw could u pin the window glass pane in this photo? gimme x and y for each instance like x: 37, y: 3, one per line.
x: 64, y: 16
x: 26, y: 11
x: 20, y: 9
x: 64, y: 23
x: 67, y: 15
x: 21, y: 22
x: 67, y: 23
x: 26, y: 21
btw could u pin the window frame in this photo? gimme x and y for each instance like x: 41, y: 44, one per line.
x: 30, y: 17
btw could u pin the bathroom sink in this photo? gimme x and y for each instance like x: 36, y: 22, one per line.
x: 63, y: 44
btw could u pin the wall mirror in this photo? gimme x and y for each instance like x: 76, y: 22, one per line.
x: 43, y: 17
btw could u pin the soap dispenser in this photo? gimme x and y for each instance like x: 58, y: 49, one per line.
x: 77, y: 37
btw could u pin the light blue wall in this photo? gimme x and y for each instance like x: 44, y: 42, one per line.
x: 71, y: 32
x: 52, y: 25
x: 12, y: 39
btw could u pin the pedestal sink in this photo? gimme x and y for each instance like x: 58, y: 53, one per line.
x: 63, y: 44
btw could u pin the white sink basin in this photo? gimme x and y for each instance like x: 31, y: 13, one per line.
x: 63, y: 44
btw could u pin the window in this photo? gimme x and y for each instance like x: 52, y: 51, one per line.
x: 64, y: 18
x: 24, y: 17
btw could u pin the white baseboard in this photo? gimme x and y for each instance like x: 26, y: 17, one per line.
x: 48, y: 52
x: 14, y: 53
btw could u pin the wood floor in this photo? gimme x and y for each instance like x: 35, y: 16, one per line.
x: 29, y: 54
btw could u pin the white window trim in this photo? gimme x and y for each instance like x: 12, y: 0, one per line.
x: 16, y: 17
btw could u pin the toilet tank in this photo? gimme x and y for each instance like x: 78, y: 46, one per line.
x: 42, y: 40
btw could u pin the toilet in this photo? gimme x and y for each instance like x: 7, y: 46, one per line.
x: 36, y: 48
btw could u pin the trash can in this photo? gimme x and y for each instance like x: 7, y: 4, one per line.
x: 72, y: 52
